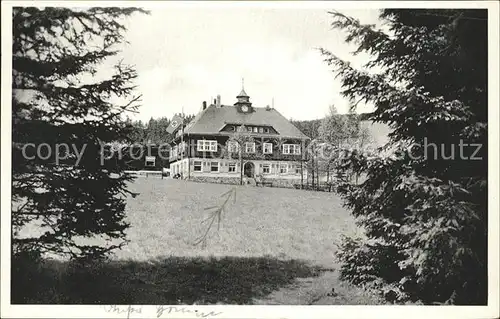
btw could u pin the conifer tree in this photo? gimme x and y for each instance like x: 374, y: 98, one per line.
x: 65, y: 203
x: 425, y: 214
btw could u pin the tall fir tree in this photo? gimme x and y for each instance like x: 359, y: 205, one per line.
x: 424, y: 212
x: 58, y: 101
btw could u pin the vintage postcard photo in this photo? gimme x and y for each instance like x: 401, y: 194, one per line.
x: 249, y: 159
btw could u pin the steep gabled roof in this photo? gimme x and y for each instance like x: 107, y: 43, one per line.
x: 213, y: 119
x: 242, y: 93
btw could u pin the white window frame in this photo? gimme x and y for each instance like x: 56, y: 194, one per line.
x: 291, y: 149
x: 286, y: 148
x: 212, y: 146
x: 231, y: 166
x: 252, y: 148
x: 207, y: 145
x: 285, y: 166
x: 297, y: 150
x: 150, y: 159
x: 270, y: 150
x: 264, y: 166
x: 233, y: 147
x: 195, y: 165
x: 211, y: 166
x: 255, y: 129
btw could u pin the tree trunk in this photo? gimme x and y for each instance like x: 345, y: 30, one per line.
x: 317, y: 174
x: 328, y: 173
x: 302, y: 151
x: 241, y: 167
x: 312, y: 171
x: 301, y: 174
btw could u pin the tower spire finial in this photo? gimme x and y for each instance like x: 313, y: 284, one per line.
x: 243, y: 93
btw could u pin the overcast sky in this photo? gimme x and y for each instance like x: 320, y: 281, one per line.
x: 187, y: 55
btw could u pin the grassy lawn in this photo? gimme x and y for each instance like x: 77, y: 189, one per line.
x: 284, y: 223
x: 274, y: 246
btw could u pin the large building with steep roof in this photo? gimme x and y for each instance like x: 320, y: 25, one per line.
x: 224, y: 142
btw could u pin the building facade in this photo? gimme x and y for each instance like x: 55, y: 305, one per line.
x: 231, y: 143
x: 148, y: 157
x: 137, y: 157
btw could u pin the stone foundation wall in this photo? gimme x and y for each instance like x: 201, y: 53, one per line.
x: 277, y: 182
x: 216, y: 180
x: 285, y: 183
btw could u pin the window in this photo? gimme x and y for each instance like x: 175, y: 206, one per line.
x: 150, y: 161
x: 297, y: 169
x: 249, y: 128
x: 197, y: 166
x: 286, y: 148
x: 266, y: 169
x: 214, y: 166
x: 266, y: 129
x: 250, y: 147
x: 291, y: 149
x: 261, y: 130
x: 232, y: 168
x: 268, y: 148
x: 207, y: 146
x: 213, y: 146
x: 233, y: 146
x: 283, y: 168
x: 297, y: 149
x: 256, y: 130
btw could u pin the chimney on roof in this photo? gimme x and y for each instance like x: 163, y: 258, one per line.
x: 217, y: 103
x: 204, y: 105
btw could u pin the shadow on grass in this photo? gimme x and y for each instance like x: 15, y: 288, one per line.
x: 172, y: 280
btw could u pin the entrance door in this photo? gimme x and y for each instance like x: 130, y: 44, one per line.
x: 249, y: 169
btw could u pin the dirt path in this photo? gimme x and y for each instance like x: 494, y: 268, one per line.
x: 315, y: 291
